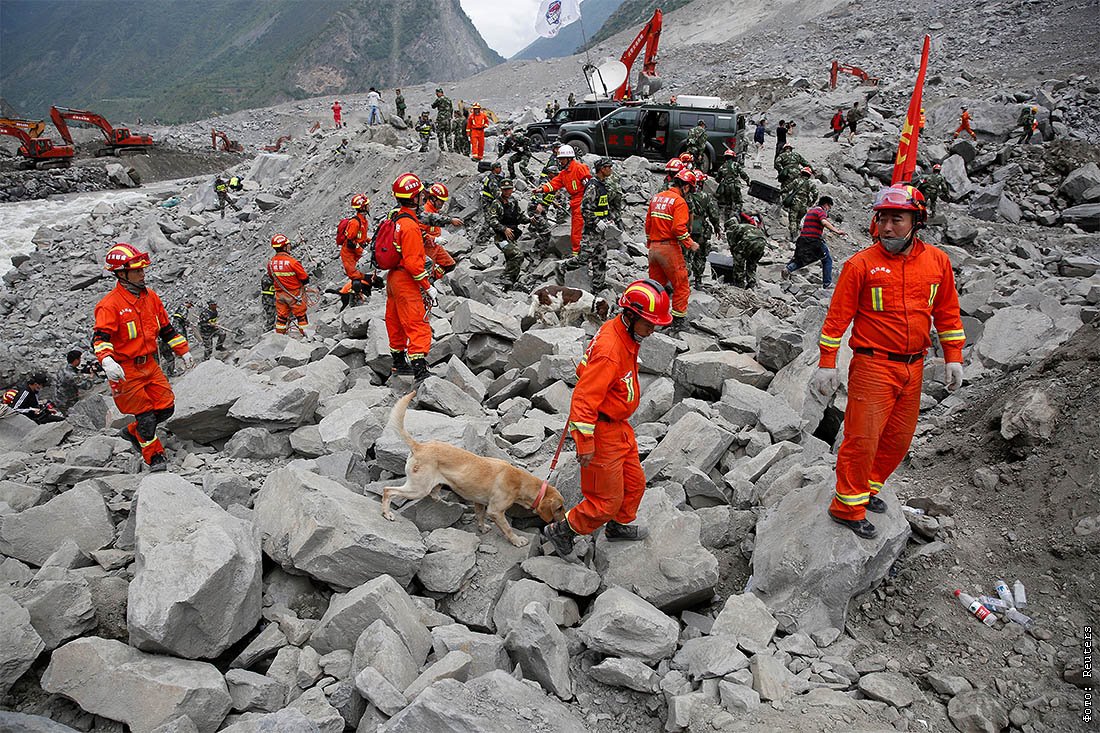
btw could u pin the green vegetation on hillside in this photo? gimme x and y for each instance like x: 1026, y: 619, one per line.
x: 632, y: 15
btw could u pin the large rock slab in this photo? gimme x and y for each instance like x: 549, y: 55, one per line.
x: 313, y: 525
x: 201, y: 412
x: 693, y: 440
x: 197, y: 575
x: 486, y: 650
x: 707, y: 370
x: 471, y: 317
x: 79, y: 514
x: 1078, y: 182
x: 20, y: 644
x: 806, y: 568
x: 22, y: 723
x: 59, y: 603
x: 381, y: 647
x: 670, y: 569
x: 283, y: 405
x: 540, y: 649
x: 622, y: 624
x: 1016, y: 336
x: 350, y: 613
x: 116, y: 681
x: 497, y: 564
x: 494, y: 702
x: 746, y: 617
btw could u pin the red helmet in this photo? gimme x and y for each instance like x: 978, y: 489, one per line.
x: 686, y: 175
x: 439, y: 191
x: 807, y: 170
x: 902, y: 197
x: 360, y: 201
x: 648, y: 300
x: 407, y: 186
x: 124, y: 256
x: 674, y: 166
x: 279, y: 241
x: 730, y: 153
x: 700, y: 176
x: 686, y: 158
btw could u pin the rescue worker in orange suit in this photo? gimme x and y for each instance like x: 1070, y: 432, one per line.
x: 356, y: 236
x: 475, y: 131
x: 336, y: 112
x: 606, y: 395
x: 964, y: 125
x: 895, y: 291
x: 668, y: 234
x: 409, y: 292
x: 128, y: 322
x: 572, y: 177
x: 432, y: 220
x: 290, y: 288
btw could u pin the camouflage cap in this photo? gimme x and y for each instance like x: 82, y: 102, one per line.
x: 506, y: 185
x: 496, y: 164
x: 603, y: 162
x: 439, y: 90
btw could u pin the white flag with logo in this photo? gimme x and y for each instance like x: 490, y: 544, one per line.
x: 555, y: 15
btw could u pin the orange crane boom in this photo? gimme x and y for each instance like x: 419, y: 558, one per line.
x: 855, y: 71
x: 34, y: 128
x: 649, y: 36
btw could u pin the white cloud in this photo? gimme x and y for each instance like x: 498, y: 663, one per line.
x: 506, y: 25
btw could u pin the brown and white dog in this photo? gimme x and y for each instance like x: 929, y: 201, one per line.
x: 571, y: 306
x: 490, y: 484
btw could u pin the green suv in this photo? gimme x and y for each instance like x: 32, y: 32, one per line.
x: 658, y: 132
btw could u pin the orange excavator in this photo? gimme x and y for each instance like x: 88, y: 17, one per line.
x: 118, y: 138
x: 34, y: 128
x: 863, y: 76
x: 40, y: 152
x: 648, y: 81
x: 274, y: 147
x: 227, y: 145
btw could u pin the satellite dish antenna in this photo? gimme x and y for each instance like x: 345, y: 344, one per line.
x: 604, y: 79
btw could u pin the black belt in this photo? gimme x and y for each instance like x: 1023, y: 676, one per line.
x: 142, y: 359
x: 903, y: 358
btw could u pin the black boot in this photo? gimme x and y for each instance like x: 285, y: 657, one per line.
x: 125, y: 433
x: 678, y: 324
x: 876, y: 505
x: 561, y: 536
x: 401, y: 365
x: 420, y: 370
x: 616, y: 532
x: 861, y: 527
x: 158, y: 463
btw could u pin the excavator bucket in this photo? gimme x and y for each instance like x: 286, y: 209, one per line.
x: 648, y: 85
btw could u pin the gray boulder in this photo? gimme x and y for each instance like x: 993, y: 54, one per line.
x: 1028, y: 417
x: 254, y: 692
x: 349, y: 427
x: 381, y: 647
x: 197, y: 575
x: 473, y: 317
x: 391, y: 451
x: 1086, y: 216
x: 1080, y: 181
x: 954, y: 173
x: 282, y: 405
x: 497, y: 564
x: 287, y: 720
x: 20, y: 644
x: 1016, y: 336
x: 976, y: 711
x: 806, y: 568
x: 993, y: 204
x: 144, y: 691
x: 540, y: 649
x: 313, y: 525
x: 201, y: 413
x: 486, y: 650
x: 625, y: 672
x: 79, y: 514
x: 622, y: 624
x: 693, y: 440
x: 379, y: 599
x: 59, y: 603
x: 452, y: 555
x: 745, y: 616
x: 709, y: 369
x: 21, y: 723
x: 256, y: 442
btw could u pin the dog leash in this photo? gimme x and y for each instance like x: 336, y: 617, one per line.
x: 553, y: 465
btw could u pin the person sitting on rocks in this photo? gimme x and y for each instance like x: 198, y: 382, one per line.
x: 26, y: 401
x: 71, y: 379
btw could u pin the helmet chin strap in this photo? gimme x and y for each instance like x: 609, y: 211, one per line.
x: 630, y: 322
x: 130, y: 287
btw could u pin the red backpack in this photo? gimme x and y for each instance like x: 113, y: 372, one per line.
x: 342, y: 231
x: 384, y: 252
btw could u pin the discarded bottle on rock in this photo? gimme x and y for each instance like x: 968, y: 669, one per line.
x: 1004, y: 593
x: 912, y: 510
x: 994, y: 604
x: 1020, y: 594
x: 1018, y: 618
x: 972, y: 604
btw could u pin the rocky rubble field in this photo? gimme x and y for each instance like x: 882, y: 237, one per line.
x: 256, y: 587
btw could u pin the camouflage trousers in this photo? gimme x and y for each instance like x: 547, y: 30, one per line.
x: 697, y: 260
x: 211, y: 340
x: 593, y: 254
x: 461, y: 142
x: 424, y: 138
x: 443, y: 131
x: 794, y: 219
x: 520, y: 159
x: 513, y: 262
x: 745, y: 259
x: 540, y: 230
x: 728, y: 206
x: 268, y: 303
x: 167, y: 359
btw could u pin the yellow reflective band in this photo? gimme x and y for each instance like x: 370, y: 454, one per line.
x: 952, y: 335
x: 628, y: 380
x: 285, y: 274
x: 876, y: 299
x: 853, y: 499
x: 677, y: 313
x: 655, y: 215
x: 131, y: 329
x: 177, y: 341
x: 683, y: 236
x: 875, y: 484
x: 830, y: 341
x: 104, y: 346
x: 599, y: 213
x: 932, y: 294
x: 828, y: 344
x: 421, y: 276
x: 583, y: 428
x: 147, y: 443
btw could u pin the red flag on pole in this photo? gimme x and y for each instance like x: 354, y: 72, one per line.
x: 906, y: 162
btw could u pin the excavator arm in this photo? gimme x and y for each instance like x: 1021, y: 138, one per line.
x: 34, y: 128
x: 863, y: 76
x: 116, y: 137
x: 649, y: 37
x: 39, y: 150
x: 227, y: 145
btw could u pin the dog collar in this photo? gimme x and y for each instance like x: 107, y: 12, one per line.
x: 539, y: 496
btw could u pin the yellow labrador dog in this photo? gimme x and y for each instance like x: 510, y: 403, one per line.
x: 492, y: 485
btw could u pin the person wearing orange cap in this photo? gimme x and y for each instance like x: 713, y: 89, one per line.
x: 668, y: 234
x: 572, y: 177
x: 606, y: 395
x: 475, y: 130
x: 290, y: 280
x: 409, y: 291
x: 128, y: 322
x: 892, y: 293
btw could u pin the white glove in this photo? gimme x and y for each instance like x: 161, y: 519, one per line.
x: 112, y: 369
x: 601, y: 226
x: 432, y: 293
x: 825, y: 381
x: 188, y: 360
x: 954, y: 377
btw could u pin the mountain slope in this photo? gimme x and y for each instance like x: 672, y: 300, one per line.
x: 632, y: 14
x: 188, y: 59
x: 570, y: 39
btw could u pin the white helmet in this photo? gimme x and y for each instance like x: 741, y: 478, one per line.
x: 566, y: 151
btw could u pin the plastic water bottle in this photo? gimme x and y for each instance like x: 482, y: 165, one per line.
x: 1018, y: 618
x: 972, y: 604
x: 1004, y: 593
x: 1020, y: 594
x: 912, y: 510
x: 994, y: 604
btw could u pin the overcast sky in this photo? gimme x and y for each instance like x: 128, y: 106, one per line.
x: 506, y: 25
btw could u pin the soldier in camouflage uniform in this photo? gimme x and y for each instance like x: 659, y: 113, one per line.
x: 212, y: 335
x: 932, y: 186
x: 601, y: 206
x: 458, y: 127
x: 503, y: 219
x: 747, y: 243
x: 801, y: 197
x: 267, y: 300
x: 399, y: 103
x: 704, y: 223
x: 787, y: 164
x: 178, y: 316
x: 444, y: 110
x: 520, y: 147
x: 490, y: 191
x: 697, y: 145
x: 539, y: 209
x: 424, y: 129
x: 69, y: 380
x: 729, y: 178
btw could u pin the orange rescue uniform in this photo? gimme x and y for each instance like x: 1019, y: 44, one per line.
x: 126, y: 328
x: 435, y: 251
x: 290, y: 279
x: 605, y: 397
x: 572, y: 179
x: 475, y: 130
x: 406, y: 318
x: 964, y: 126
x: 668, y: 233
x: 357, y: 233
x: 894, y: 301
